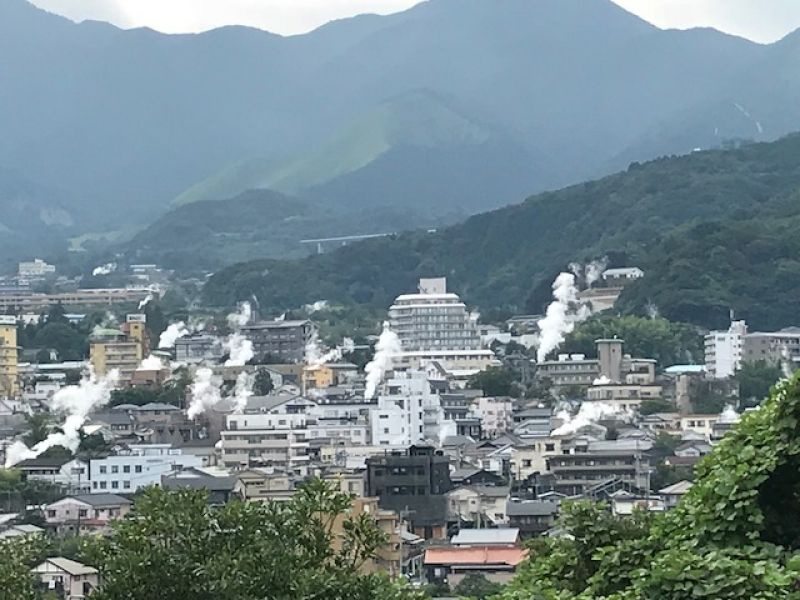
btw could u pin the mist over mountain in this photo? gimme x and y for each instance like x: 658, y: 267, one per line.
x: 452, y: 107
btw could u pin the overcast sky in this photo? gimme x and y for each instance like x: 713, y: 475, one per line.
x: 759, y: 20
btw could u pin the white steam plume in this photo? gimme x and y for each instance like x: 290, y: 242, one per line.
x: 145, y: 301
x: 205, y: 391
x: 316, y: 306
x: 651, y: 310
x: 171, y: 334
x: 242, y: 317
x: 75, y: 402
x: 315, y: 356
x: 588, y: 413
x: 240, y: 350
x: 386, y: 349
x: 105, y: 269
x: 243, y: 391
x: 729, y: 415
x: 151, y: 363
x: 562, y: 315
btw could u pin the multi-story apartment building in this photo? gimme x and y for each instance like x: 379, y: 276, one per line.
x: 9, y: 366
x: 773, y: 347
x: 121, y: 349
x: 414, y: 484
x: 35, y: 269
x: 277, y: 440
x: 408, y: 412
x: 495, y: 414
x: 197, y: 348
x: 601, y: 461
x: 724, y: 350
x: 611, y: 366
x: 280, y: 341
x: 435, y: 325
x: 25, y: 300
x: 136, y: 467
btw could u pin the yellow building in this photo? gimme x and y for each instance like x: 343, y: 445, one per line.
x: 318, y: 377
x: 9, y: 374
x: 122, y: 350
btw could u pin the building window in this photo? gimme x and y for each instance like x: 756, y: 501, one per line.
x: 102, y: 469
x: 126, y: 469
x: 126, y: 485
x: 102, y: 485
x: 138, y: 468
x: 114, y: 485
x: 82, y: 512
x: 51, y: 514
x: 115, y: 469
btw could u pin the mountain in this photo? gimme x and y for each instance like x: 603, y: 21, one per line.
x: 457, y: 105
x: 32, y: 215
x: 211, y: 234
x: 713, y: 230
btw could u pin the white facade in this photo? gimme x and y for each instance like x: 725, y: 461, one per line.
x: 495, y: 415
x: 724, y: 350
x: 435, y: 325
x: 138, y: 467
x: 35, y: 269
x: 278, y: 440
x: 408, y: 412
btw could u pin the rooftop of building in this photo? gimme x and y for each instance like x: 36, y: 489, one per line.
x: 100, y: 500
x: 71, y: 567
x: 472, y: 555
x: 276, y: 324
x: 531, y: 508
x: 486, y: 537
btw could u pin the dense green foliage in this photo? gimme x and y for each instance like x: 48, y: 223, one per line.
x: 667, y: 342
x: 494, y: 381
x: 755, y: 380
x: 17, y: 557
x: 679, y: 218
x: 735, y: 534
x: 476, y: 587
x: 180, y: 547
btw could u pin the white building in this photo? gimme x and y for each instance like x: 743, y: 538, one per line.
x: 408, y: 412
x: 277, y: 440
x: 35, y: 269
x: 136, y: 467
x: 435, y: 325
x: 495, y: 415
x: 724, y: 350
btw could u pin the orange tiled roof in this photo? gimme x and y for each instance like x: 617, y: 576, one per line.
x: 475, y: 555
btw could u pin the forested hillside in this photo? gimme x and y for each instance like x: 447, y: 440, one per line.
x: 677, y: 218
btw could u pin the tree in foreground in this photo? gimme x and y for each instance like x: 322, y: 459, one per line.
x: 176, y: 547
x: 17, y: 557
x: 735, y: 535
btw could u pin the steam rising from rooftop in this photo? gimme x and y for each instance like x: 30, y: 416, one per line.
x: 590, y: 412
x: 240, y: 349
x: 387, y: 347
x: 105, y: 269
x: 75, y: 403
x: 205, y: 392
x: 171, y: 335
x: 561, y: 316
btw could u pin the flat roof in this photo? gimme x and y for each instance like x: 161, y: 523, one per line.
x: 480, y: 537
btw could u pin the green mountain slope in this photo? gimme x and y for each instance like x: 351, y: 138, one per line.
x: 211, y: 234
x: 508, y: 257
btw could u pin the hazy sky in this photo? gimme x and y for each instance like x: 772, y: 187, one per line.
x: 760, y: 20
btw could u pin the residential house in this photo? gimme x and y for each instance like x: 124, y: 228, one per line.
x: 67, y: 579
x: 672, y: 494
x: 219, y: 485
x: 474, y: 476
x: 481, y: 505
x: 71, y: 474
x: 263, y: 484
x: 532, y: 517
x: 451, y: 564
x: 504, y: 536
x: 85, y: 512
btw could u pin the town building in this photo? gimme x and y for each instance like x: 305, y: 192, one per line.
x: 532, y: 518
x: 600, y: 461
x: 280, y: 341
x: 451, y: 564
x: 218, y: 485
x: 277, y: 440
x: 774, y: 347
x: 408, y: 412
x: 9, y: 361
x: 479, y: 505
x: 24, y: 299
x: 414, y: 484
x: 495, y: 414
x: 85, y: 513
x: 263, y: 484
x: 137, y: 466
x: 197, y: 348
x: 34, y: 270
x: 724, y: 350
x: 71, y: 474
x: 67, y: 579
x: 119, y: 349
x: 434, y: 325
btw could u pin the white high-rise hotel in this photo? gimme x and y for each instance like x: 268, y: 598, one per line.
x: 435, y: 325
